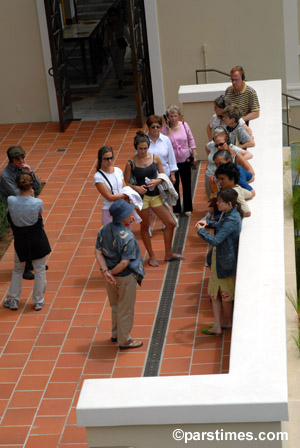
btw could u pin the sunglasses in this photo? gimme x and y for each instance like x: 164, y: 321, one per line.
x: 107, y: 158
x: 217, y: 145
x: 155, y: 127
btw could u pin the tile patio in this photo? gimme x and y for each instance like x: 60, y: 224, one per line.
x: 46, y: 355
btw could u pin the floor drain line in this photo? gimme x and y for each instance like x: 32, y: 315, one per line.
x: 153, y: 360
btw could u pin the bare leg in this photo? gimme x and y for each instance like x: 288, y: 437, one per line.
x: 217, y: 309
x: 164, y: 215
x: 228, y: 309
x: 144, y: 214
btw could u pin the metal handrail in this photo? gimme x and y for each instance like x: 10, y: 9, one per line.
x: 288, y: 125
x: 204, y: 70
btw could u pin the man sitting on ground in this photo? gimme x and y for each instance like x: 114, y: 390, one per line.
x: 8, y: 184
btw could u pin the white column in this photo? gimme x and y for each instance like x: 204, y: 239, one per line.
x: 155, y: 57
x: 47, y: 59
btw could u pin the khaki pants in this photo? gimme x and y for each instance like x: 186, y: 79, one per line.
x: 122, y: 299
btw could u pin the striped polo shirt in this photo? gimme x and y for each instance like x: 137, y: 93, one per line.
x: 246, y: 99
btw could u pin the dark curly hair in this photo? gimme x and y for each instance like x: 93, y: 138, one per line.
x: 230, y: 170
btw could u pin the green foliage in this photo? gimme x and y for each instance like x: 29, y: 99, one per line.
x: 295, y: 300
x: 294, y: 200
x: 295, y: 164
x: 3, y: 219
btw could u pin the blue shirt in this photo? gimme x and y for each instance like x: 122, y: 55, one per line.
x: 245, y: 177
x: 117, y: 243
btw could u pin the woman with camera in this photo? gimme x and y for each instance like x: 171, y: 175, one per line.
x: 186, y: 156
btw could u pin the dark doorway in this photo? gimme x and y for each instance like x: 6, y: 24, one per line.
x: 96, y: 92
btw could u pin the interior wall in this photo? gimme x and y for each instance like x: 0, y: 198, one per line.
x: 23, y: 79
x: 235, y: 33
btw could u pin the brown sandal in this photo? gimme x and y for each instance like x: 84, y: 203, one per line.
x: 131, y: 343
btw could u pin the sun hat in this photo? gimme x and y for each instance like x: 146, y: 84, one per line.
x: 120, y: 209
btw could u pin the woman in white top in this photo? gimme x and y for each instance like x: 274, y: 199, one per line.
x: 161, y: 145
x: 109, y: 181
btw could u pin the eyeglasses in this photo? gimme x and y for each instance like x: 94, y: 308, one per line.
x: 217, y: 145
x: 155, y: 127
x: 20, y: 158
x: 107, y: 158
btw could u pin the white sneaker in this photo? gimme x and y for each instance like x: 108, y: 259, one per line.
x: 39, y: 306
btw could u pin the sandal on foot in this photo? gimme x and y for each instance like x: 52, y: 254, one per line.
x: 224, y: 328
x: 132, y: 343
x: 153, y: 263
x: 176, y: 258
x: 210, y: 333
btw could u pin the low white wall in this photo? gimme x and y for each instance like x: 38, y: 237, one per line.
x: 255, y: 390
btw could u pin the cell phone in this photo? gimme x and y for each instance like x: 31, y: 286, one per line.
x: 167, y: 121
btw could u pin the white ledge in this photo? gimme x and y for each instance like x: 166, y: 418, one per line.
x: 255, y: 390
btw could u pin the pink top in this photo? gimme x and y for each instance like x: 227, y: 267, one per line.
x: 182, y: 141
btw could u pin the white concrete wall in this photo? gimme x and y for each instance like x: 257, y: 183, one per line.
x: 255, y: 390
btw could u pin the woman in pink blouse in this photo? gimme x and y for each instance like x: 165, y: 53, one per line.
x: 182, y: 141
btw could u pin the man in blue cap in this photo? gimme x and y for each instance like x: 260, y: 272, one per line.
x: 118, y: 255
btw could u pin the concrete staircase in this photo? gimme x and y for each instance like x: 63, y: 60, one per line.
x: 87, y: 10
x: 92, y: 9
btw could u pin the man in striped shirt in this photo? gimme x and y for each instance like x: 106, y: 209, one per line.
x: 242, y: 95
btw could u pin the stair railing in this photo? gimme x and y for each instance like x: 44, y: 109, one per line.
x: 285, y: 95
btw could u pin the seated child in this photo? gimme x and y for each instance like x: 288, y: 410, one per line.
x: 237, y: 133
x: 217, y: 119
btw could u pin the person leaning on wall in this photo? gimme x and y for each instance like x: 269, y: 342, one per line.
x: 243, y: 95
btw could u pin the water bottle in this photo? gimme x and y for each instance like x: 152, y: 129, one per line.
x: 148, y: 181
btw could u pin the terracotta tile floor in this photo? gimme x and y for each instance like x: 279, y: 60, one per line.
x: 47, y: 355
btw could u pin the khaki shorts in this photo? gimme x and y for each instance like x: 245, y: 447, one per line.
x: 152, y: 201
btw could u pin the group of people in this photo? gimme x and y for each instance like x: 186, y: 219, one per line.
x: 227, y: 184
x: 150, y: 183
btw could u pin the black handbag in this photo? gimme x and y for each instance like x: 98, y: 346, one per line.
x: 190, y: 159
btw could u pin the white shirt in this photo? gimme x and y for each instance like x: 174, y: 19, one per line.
x: 116, y: 180
x: 164, y: 149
